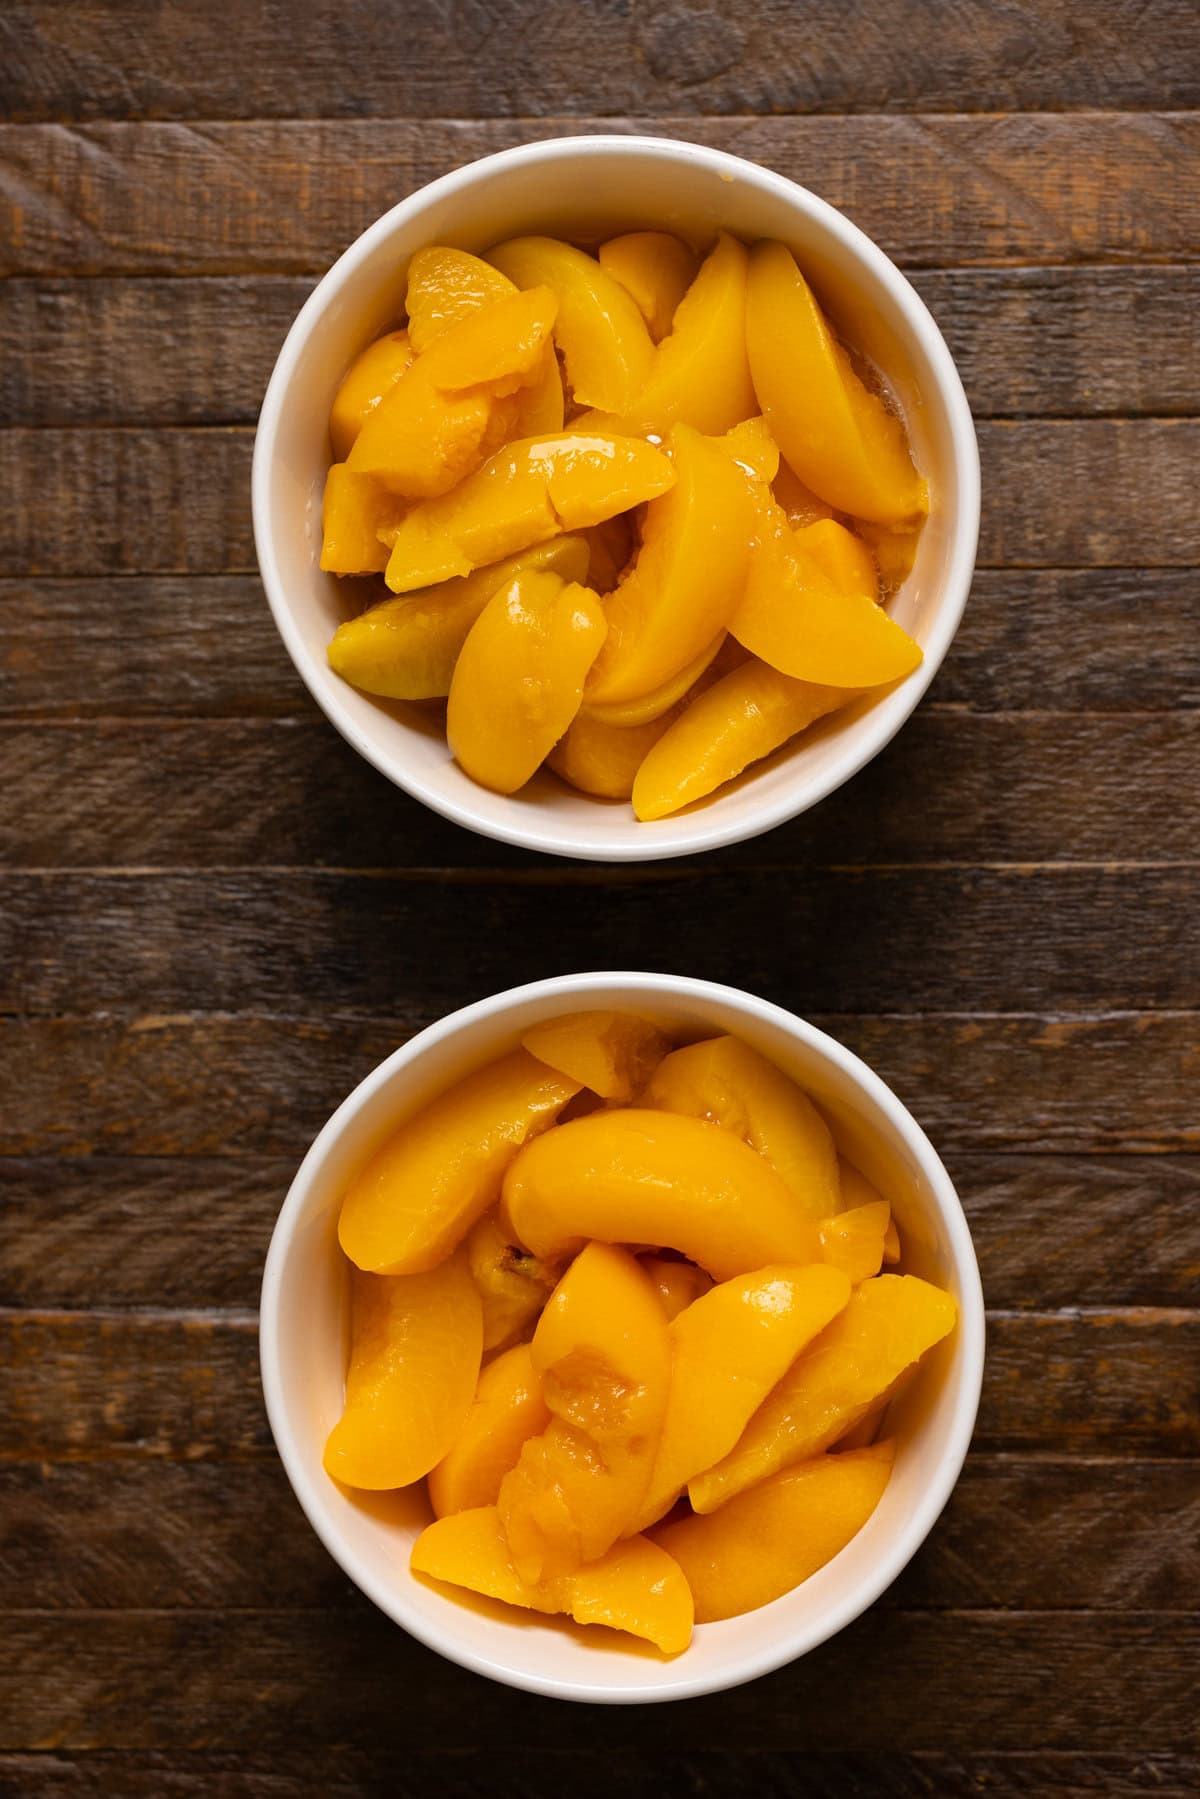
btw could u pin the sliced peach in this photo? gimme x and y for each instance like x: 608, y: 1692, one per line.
x: 541, y: 406
x: 659, y: 1179
x: 612, y: 1053
x: 800, y: 503
x: 743, y: 717
x: 354, y: 512
x: 838, y: 436
x: 656, y: 269
x: 635, y: 1587
x: 602, y: 759
x: 766, y: 1541
x: 518, y: 681
x: 508, y: 1409
x: 599, y: 330
x: 372, y: 374
x: 421, y: 1192
x: 673, y: 603
x: 857, y: 1195
x: 853, y: 1239
x: 728, y: 1349
x: 527, y: 492
x: 841, y: 556
x: 752, y: 447
x: 849, y: 1370
x: 414, y: 1362
x: 676, y: 1283
x: 513, y: 1285
x: 602, y: 1352
x: 894, y: 549
x: 445, y: 286
x: 405, y: 648
x: 724, y: 1080
x: 891, y: 1242
x: 664, y: 701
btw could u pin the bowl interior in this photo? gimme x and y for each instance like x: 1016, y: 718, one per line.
x: 589, y: 188
x: 305, y: 1347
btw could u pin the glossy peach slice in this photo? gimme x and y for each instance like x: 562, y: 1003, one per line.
x: 838, y: 437
x: 445, y: 286
x: 405, y: 648
x: 612, y: 1053
x: 801, y: 505
x: 414, y: 1362
x: 508, y: 1409
x: 372, y: 374
x: 857, y: 1191
x: 676, y: 1283
x: 724, y: 1080
x: 599, y: 330
x: 354, y: 512
x: 658, y: 1179
x: 768, y: 1540
x: 851, y: 1368
x: 525, y: 493
x: 602, y: 1352
x: 602, y: 759
x: 752, y: 447
x: 513, y: 1285
x: 656, y: 269
x: 854, y: 1239
x: 842, y: 557
x: 728, y: 1349
x: 635, y: 1587
x: 421, y: 1192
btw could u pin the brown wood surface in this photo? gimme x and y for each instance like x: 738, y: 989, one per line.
x: 214, y: 918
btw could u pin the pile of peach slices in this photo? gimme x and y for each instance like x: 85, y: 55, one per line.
x: 637, y: 511
x: 621, y: 1305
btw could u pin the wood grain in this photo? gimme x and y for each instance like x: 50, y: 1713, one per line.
x: 287, y: 197
x: 159, y: 645
x: 1002, y: 788
x: 1037, y: 1535
x: 501, y: 59
x: 250, y: 1681
x: 1040, y: 341
x: 87, y: 942
x: 114, y: 1231
x: 165, y: 1085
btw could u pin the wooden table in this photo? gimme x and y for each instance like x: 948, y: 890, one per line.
x: 216, y: 918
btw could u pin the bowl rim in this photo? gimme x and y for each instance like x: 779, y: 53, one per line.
x: 711, y: 827
x: 968, y: 1343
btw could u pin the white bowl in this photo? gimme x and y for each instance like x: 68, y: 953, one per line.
x: 585, y: 186
x: 304, y: 1331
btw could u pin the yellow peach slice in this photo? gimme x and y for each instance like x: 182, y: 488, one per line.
x: 894, y: 550
x: 656, y: 269
x: 603, y: 759
x: 659, y: 1179
x: 602, y: 1352
x: 838, y: 437
x: 421, y: 1192
x: 891, y: 1242
x: 445, y: 286
x: 541, y: 406
x: 724, y: 1080
x: 843, y: 558
x: 857, y: 1195
x: 372, y: 374
x: 851, y: 1368
x: 518, y: 681
x: 513, y: 1285
x: 676, y: 1283
x: 414, y: 1362
x: 768, y: 1540
x: 752, y: 447
x: 728, y: 1349
x: 355, y: 510
x: 635, y: 1587
x: 527, y: 492
x: 599, y: 330
x: 801, y: 505
x: 405, y: 648
x: 508, y: 1409
x: 663, y: 701
x: 612, y: 1053
x: 853, y: 1239
x: 673, y: 603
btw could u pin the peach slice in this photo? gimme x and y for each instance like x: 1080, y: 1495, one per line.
x: 659, y: 1179
x: 854, y: 1239
x: 656, y: 269
x: 849, y: 1370
x: 354, y: 512
x: 414, y: 1362
x: 676, y: 1283
x: 602, y: 759
x: 599, y: 330
x: 612, y: 1053
x: 513, y: 1285
x: 636, y: 1587
x: 421, y: 1192
x: 372, y: 374
x: 766, y: 1541
x: 445, y: 286
x: 405, y: 648
x: 508, y: 1409
x: 843, y: 558
x: 724, y: 1080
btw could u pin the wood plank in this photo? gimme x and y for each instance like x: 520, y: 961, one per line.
x: 364, y: 1772
x: 1094, y: 938
x: 133, y: 500
x: 114, y: 1230
x: 1039, y: 341
x: 611, y: 59
x: 1005, y: 788
x: 258, y: 1680
x: 161, y: 644
x: 163, y: 1085
x: 1027, y: 1535
x: 287, y: 197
